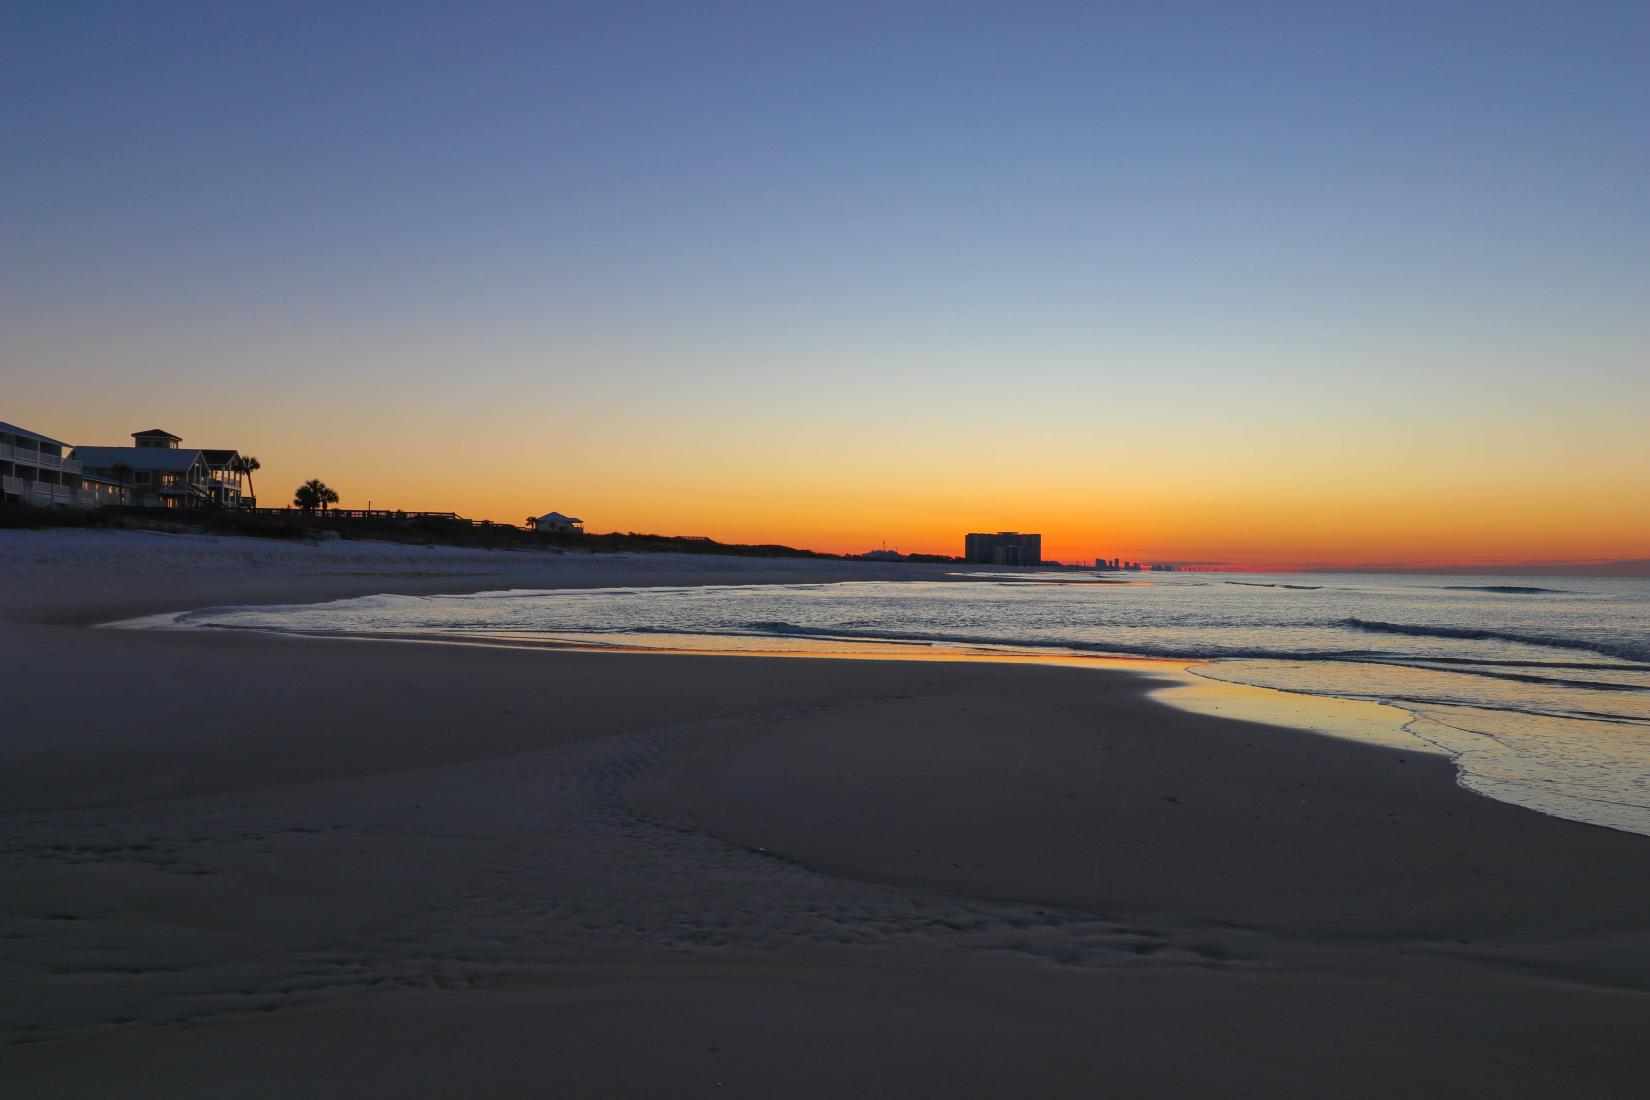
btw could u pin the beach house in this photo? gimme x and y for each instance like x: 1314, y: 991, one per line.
x: 554, y: 523
x: 37, y: 469
x: 157, y: 471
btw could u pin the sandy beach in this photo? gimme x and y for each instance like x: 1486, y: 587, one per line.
x: 238, y: 864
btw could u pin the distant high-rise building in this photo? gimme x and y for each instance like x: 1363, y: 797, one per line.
x: 1003, y: 548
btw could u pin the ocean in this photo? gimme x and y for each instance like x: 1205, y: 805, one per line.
x: 1539, y: 688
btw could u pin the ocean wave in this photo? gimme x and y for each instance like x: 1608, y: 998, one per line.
x: 839, y: 633
x: 1532, y: 678
x: 1236, y: 673
x: 1264, y: 584
x: 1510, y: 589
x: 1610, y: 666
x: 853, y: 633
x: 1483, y: 634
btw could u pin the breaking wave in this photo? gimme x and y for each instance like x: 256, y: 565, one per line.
x: 1481, y: 634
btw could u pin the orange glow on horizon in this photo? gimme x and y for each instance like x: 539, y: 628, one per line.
x: 1247, y: 494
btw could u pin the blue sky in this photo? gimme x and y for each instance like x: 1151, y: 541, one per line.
x: 1032, y: 160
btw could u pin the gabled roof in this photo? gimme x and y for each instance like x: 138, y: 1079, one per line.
x: 13, y: 429
x: 218, y: 456
x: 166, y: 459
x: 157, y: 433
x: 557, y: 517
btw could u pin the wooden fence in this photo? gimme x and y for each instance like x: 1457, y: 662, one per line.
x: 391, y: 514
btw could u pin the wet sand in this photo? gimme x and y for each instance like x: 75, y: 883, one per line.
x: 263, y: 866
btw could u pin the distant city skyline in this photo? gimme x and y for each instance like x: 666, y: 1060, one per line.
x: 1266, y: 286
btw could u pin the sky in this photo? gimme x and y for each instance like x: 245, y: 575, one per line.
x: 1258, y: 283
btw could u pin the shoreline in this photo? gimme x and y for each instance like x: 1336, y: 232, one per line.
x: 1364, y: 721
x: 1360, y: 720
x: 241, y: 865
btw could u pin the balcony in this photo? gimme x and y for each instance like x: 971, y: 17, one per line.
x: 38, y: 459
x: 43, y: 495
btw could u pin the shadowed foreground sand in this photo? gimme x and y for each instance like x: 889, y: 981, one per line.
x: 256, y: 866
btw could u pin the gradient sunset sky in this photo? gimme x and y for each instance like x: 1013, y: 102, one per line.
x: 1253, y: 283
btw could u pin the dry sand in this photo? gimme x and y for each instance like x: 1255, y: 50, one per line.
x: 244, y: 865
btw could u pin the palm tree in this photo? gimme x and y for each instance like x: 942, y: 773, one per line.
x: 121, y: 472
x: 246, y: 464
x: 314, y: 494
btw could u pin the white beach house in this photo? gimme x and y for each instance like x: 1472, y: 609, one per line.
x: 158, y: 472
x: 37, y: 469
x: 554, y: 523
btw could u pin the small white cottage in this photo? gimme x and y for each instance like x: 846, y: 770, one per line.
x: 554, y: 523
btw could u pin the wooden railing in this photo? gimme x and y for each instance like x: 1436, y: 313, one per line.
x: 364, y: 513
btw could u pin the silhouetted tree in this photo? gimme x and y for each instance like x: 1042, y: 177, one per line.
x: 314, y: 494
x: 247, y: 464
x: 122, y: 472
